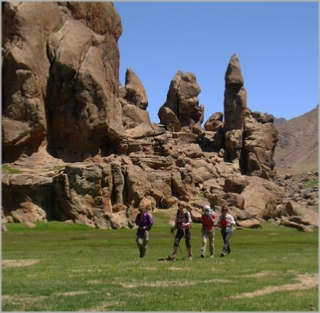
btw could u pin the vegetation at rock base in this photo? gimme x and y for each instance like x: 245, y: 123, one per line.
x: 60, y: 267
x: 9, y: 170
x: 312, y: 183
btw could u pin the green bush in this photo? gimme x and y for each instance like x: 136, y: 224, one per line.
x: 6, y: 169
x: 312, y: 183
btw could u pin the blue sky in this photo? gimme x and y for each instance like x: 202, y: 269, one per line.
x: 276, y: 42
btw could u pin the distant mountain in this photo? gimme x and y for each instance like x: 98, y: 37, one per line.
x: 279, y: 121
x: 297, y: 149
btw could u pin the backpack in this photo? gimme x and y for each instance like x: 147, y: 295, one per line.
x: 186, y: 216
x: 190, y: 211
x: 211, y: 215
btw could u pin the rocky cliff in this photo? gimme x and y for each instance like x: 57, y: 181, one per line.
x: 76, y: 145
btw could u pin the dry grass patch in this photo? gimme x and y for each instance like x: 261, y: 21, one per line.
x: 71, y: 293
x: 306, y: 281
x: 172, y: 283
x: 20, y: 300
x: 94, y: 282
x: 103, y: 307
x: 172, y: 268
x: 18, y: 263
x: 151, y: 269
x: 262, y: 274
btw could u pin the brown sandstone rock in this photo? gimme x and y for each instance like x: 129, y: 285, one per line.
x: 29, y: 224
x: 62, y: 102
x: 65, y: 71
x: 135, y: 92
x: 235, y: 97
x: 25, y: 68
x: 258, y: 148
x: 250, y: 223
x: 182, y: 103
x: 261, y: 196
x: 306, y: 215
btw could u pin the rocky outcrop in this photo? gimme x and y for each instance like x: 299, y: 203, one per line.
x: 134, y: 90
x: 302, y: 188
x: 61, y: 63
x: 250, y: 137
x: 181, y: 111
x: 259, y: 143
x: 235, y: 104
x: 134, y: 101
x: 25, y: 68
x: 80, y: 147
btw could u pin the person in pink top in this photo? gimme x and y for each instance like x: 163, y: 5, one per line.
x: 183, y: 224
x: 208, y: 219
x: 226, y: 223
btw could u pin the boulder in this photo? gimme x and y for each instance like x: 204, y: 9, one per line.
x: 305, y: 215
x: 182, y: 104
x: 250, y: 223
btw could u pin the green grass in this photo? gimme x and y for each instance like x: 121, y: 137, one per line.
x: 6, y: 169
x: 58, y: 27
x: 312, y: 183
x: 78, y: 268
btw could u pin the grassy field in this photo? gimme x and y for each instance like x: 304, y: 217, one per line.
x: 59, y: 267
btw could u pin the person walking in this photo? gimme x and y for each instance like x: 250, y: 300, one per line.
x: 208, y: 218
x: 226, y: 223
x: 144, y: 222
x: 183, y: 224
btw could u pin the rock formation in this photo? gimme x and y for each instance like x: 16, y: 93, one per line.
x: 181, y: 111
x: 235, y: 105
x: 78, y: 146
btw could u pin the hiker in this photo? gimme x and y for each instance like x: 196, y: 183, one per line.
x: 144, y: 222
x: 208, y: 219
x: 226, y: 223
x: 182, y: 224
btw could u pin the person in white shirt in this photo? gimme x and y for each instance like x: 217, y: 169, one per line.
x: 226, y: 223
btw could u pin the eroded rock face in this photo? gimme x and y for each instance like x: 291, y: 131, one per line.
x: 260, y: 139
x: 86, y: 148
x: 250, y: 137
x: 61, y: 63
x: 235, y: 96
x: 25, y: 27
x: 235, y: 105
x: 182, y: 111
x: 134, y: 101
x: 135, y: 92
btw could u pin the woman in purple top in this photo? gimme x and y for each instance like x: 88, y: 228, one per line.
x: 144, y: 222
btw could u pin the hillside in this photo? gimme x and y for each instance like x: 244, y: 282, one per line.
x: 297, y: 149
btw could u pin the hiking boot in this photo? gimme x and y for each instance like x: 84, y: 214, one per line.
x: 202, y: 255
x: 190, y: 254
x: 172, y: 257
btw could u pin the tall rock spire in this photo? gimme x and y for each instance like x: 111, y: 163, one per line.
x: 235, y: 104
